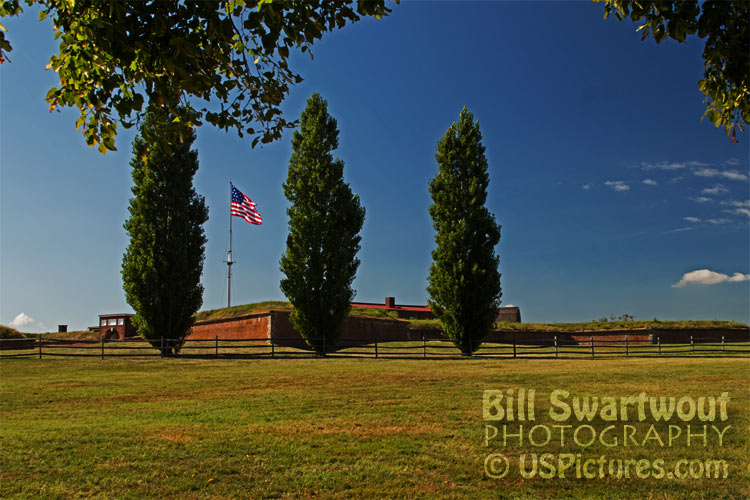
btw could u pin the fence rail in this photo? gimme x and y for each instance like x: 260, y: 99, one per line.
x: 547, y: 347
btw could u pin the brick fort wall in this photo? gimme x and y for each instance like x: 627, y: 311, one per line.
x: 252, y: 326
x: 357, y: 330
x: 363, y: 330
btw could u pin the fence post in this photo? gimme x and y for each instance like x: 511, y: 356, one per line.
x: 424, y: 346
x: 40, y: 345
x: 161, y: 351
x: 273, y: 354
x: 555, y: 346
x: 102, y: 347
x: 514, y: 346
x: 626, y: 345
x: 692, y: 345
x: 658, y: 339
x: 722, y: 343
x: 217, y: 346
x: 592, y: 346
x: 376, y: 348
x: 324, y: 345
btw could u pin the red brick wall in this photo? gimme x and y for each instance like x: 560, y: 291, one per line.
x: 282, y: 332
x: 121, y: 331
x: 703, y: 335
x: 602, y: 337
x: 19, y: 343
x: 357, y: 330
x: 252, y: 326
x: 360, y: 330
x: 572, y: 338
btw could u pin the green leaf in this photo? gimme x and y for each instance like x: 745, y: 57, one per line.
x: 108, y: 48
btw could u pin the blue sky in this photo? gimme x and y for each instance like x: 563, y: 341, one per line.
x: 608, y: 186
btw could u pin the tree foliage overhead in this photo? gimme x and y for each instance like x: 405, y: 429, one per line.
x: 162, y: 266
x: 724, y: 25
x: 464, y: 282
x: 325, y: 217
x: 116, y: 55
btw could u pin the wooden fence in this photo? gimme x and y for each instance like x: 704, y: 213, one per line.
x: 548, y: 347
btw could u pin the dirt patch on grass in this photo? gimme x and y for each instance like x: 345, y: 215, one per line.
x: 175, y: 438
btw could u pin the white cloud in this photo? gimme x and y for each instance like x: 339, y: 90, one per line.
x: 707, y: 277
x: 717, y: 221
x: 707, y: 172
x: 743, y: 207
x: 734, y: 162
x: 617, y: 185
x: 697, y: 164
x: 676, y: 179
x: 650, y: 182
x: 662, y: 165
x: 717, y: 189
x: 691, y: 219
x: 734, y: 175
x: 736, y: 203
x: 702, y: 199
x: 586, y: 187
x: 680, y: 230
x: 21, y: 320
x: 729, y: 174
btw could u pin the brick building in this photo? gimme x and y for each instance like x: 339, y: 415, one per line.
x: 115, y: 326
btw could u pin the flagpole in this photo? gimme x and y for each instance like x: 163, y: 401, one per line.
x: 229, y: 254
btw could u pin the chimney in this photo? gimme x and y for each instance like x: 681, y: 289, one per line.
x: 390, y: 302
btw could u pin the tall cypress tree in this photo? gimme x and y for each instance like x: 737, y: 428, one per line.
x: 464, y: 282
x: 325, y: 218
x: 163, y: 263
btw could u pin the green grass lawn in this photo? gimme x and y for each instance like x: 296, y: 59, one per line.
x: 333, y: 428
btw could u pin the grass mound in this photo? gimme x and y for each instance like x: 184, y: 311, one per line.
x: 7, y: 332
x: 262, y: 307
x: 373, y: 313
x: 242, y: 310
x: 77, y: 335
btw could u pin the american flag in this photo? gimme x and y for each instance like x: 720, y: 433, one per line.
x: 244, y: 207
